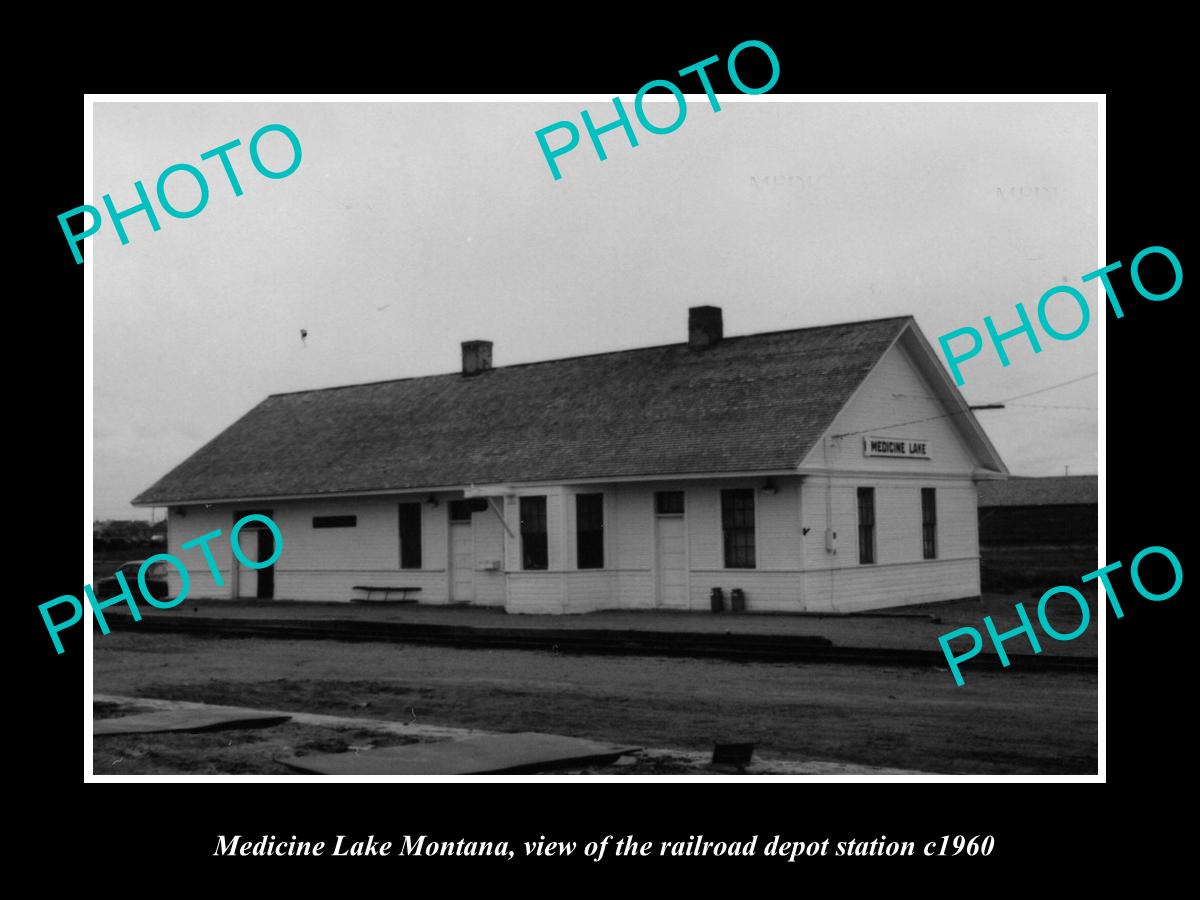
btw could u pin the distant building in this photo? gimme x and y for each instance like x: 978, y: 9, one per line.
x: 1061, y: 509
x: 819, y: 469
x: 123, y: 534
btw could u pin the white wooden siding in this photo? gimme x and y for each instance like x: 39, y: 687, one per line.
x: 371, y: 545
x: 765, y: 591
x: 590, y: 590
x: 634, y: 589
x: 879, y: 587
x: 535, y: 592
x: 320, y: 564
x: 777, y: 537
x: 702, y: 509
x: 894, y: 392
x: 180, y: 530
x: 901, y: 575
x: 512, y: 544
x: 793, y: 572
x: 556, y: 529
x: 633, y: 524
x: 337, y: 586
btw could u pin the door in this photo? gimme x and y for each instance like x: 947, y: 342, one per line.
x: 256, y: 543
x: 462, y: 562
x: 672, y: 561
x: 247, y: 578
x: 265, y: 589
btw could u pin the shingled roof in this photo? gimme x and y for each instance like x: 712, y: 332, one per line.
x: 748, y: 404
x: 1054, y: 490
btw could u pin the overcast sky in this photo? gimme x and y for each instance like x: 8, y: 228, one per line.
x: 410, y: 227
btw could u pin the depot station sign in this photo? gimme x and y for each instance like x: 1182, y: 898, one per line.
x: 906, y: 448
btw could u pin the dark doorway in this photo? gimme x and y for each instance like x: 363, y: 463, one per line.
x: 266, y: 577
x: 250, y: 582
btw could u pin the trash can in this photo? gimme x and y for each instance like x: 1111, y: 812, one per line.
x: 717, y: 596
x: 737, y: 599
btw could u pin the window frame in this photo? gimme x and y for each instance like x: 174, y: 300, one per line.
x: 659, y: 495
x: 738, y: 552
x: 540, y: 538
x: 406, y: 545
x: 349, y: 521
x: 589, y: 541
x: 866, y: 530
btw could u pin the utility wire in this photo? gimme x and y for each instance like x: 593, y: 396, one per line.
x: 898, y: 424
x: 1051, y: 406
x: 965, y: 411
x: 1051, y: 388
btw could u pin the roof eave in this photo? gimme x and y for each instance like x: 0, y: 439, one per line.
x: 500, y: 487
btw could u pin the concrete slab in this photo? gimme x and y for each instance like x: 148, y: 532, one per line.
x: 486, y: 755
x: 186, y: 719
x: 420, y: 730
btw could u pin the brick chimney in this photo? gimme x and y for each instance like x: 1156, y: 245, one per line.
x: 704, y: 326
x: 477, y: 357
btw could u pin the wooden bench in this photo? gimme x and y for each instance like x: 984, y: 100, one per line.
x: 372, y: 589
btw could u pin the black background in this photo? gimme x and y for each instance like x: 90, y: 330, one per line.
x: 1052, y: 827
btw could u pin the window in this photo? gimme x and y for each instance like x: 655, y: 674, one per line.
x: 533, y: 533
x: 589, y: 530
x: 929, y: 522
x: 460, y: 510
x: 410, y: 535
x: 335, y: 521
x: 866, y: 525
x: 669, y: 503
x: 737, y: 521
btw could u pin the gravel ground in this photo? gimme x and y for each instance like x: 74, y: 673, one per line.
x: 1001, y: 722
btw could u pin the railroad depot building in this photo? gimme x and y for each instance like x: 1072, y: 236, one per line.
x: 822, y: 469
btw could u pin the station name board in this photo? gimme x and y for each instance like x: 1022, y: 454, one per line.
x: 906, y: 448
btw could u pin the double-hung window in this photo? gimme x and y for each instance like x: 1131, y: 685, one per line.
x: 929, y: 522
x: 410, y: 535
x: 534, y: 553
x: 866, y: 525
x: 589, y: 530
x: 737, y: 525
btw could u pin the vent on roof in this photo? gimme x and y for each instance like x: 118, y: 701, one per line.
x: 477, y: 357
x: 704, y: 326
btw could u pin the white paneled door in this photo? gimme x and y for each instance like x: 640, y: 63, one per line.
x: 462, y: 562
x: 672, y: 562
